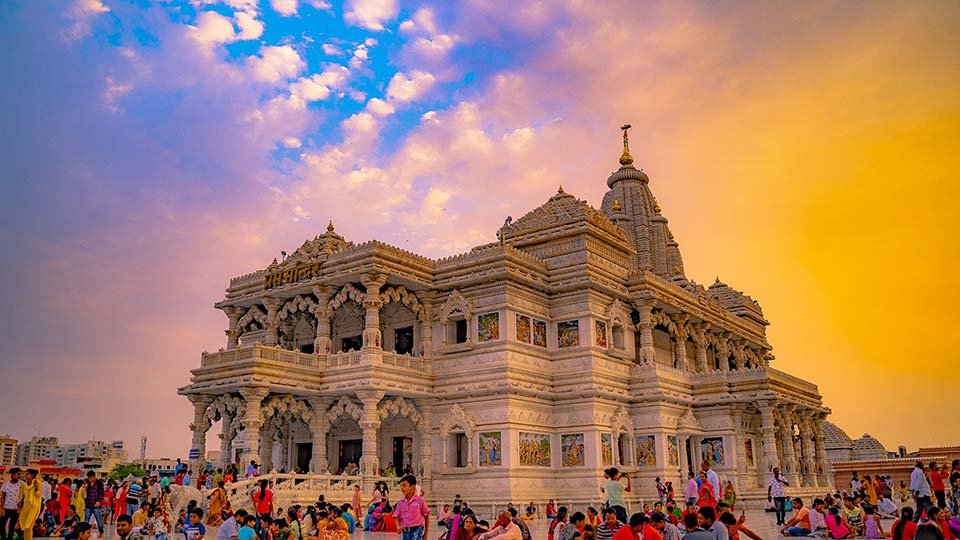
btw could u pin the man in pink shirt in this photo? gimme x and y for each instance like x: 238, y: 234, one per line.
x: 411, y: 512
x: 693, y: 489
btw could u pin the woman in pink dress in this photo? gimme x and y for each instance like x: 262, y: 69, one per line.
x: 120, y: 500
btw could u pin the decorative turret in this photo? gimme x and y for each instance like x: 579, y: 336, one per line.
x: 632, y: 206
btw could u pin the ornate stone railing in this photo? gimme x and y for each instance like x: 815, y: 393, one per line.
x: 303, y: 488
x: 257, y: 352
x: 404, y: 361
x: 341, y: 360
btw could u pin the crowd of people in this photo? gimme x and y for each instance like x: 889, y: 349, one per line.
x: 858, y: 512
x: 141, y: 509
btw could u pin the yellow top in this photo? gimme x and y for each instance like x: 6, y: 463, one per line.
x: 30, y: 497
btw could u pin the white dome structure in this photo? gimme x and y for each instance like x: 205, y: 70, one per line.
x: 867, y: 448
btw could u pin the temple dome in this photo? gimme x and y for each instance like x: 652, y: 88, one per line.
x: 836, y: 438
x: 561, y: 209
x: 867, y: 447
x: 639, y: 216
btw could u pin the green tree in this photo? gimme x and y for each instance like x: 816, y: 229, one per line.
x: 121, y: 471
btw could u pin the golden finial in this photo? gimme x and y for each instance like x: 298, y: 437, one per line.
x: 626, y: 158
x: 656, y: 206
x: 330, y: 226
x: 616, y: 205
x: 560, y: 189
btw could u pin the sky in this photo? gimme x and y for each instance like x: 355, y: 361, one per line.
x: 804, y: 152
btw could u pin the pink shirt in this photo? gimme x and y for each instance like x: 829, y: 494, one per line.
x: 692, y: 489
x: 411, y: 512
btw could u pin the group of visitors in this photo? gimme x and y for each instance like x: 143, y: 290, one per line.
x: 858, y: 513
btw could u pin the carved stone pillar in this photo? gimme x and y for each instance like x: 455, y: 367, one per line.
x: 738, y: 353
x: 647, y: 353
x: 272, y: 325
x: 372, y: 337
x: 285, y: 448
x: 226, y: 440
x: 684, y: 466
x: 233, y: 317
x: 199, y: 428
x: 370, y: 424
x: 426, y: 325
x: 252, y: 422
x: 268, y: 435
x: 319, y: 428
x: 806, y: 447
x: 786, y: 443
x: 426, y: 440
x: 722, y: 351
x: 824, y: 478
x: 737, y: 439
x: 323, y: 344
x: 768, y: 440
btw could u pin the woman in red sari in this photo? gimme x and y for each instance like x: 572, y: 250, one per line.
x: 120, y: 500
x: 707, y: 496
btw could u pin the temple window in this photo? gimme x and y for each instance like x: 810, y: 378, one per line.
x: 617, y: 332
x: 403, y: 340
x: 458, y: 331
x: 458, y: 449
x: 306, y: 348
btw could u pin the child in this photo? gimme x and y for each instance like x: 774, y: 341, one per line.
x: 872, y: 526
x: 159, y: 524
x: 195, y: 530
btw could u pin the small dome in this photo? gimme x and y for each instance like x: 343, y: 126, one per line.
x: 867, y: 447
x: 836, y: 438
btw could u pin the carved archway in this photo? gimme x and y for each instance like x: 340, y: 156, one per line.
x: 622, y: 424
x: 226, y: 406
x: 343, y: 407
x: 457, y: 418
x: 255, y: 313
x: 401, y: 295
x: 346, y: 293
x: 297, y: 304
x: 398, y: 407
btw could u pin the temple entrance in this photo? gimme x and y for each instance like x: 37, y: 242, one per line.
x: 304, y: 455
x: 402, y: 454
x: 350, y: 452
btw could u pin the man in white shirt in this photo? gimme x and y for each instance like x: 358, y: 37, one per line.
x: 712, y: 478
x: 776, y: 493
x: 46, y: 489
x: 921, y: 490
x: 9, y: 498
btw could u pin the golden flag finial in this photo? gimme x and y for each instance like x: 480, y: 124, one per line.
x: 625, y: 157
x: 616, y: 205
x: 330, y: 226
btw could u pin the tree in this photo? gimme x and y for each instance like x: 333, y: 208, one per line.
x: 123, y: 470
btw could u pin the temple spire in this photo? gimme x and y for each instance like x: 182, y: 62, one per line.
x: 626, y: 158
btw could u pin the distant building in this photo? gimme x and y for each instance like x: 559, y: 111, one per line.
x: 158, y: 467
x: 48, y: 467
x: 37, y: 448
x: 8, y: 450
x: 91, y: 455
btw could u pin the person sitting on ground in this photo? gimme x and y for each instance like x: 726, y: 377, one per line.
x: 592, y: 517
x: 576, y: 526
x: 691, y: 524
x: 610, y: 526
x: 524, y: 530
x: 531, y: 511
x: 854, y: 516
x: 551, y: 511
x: 837, y: 526
x: 928, y: 531
x: 469, y: 528
x: 799, y: 524
x: 503, y: 529
x: 662, y: 524
x: 887, y: 508
x: 709, y: 521
x: 632, y: 530
x: 904, y: 528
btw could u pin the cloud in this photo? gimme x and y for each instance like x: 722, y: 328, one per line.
x: 423, y: 21
x: 322, y: 5
x: 434, y: 47
x: 114, y: 91
x: 380, y: 107
x: 286, y: 8
x: 275, y: 63
x: 213, y: 28
x: 82, y: 14
x: 318, y: 86
x: 370, y: 14
x: 403, y: 88
x: 330, y: 49
x: 250, y: 27
x: 292, y: 142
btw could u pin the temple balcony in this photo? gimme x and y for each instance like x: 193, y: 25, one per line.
x: 310, y: 372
